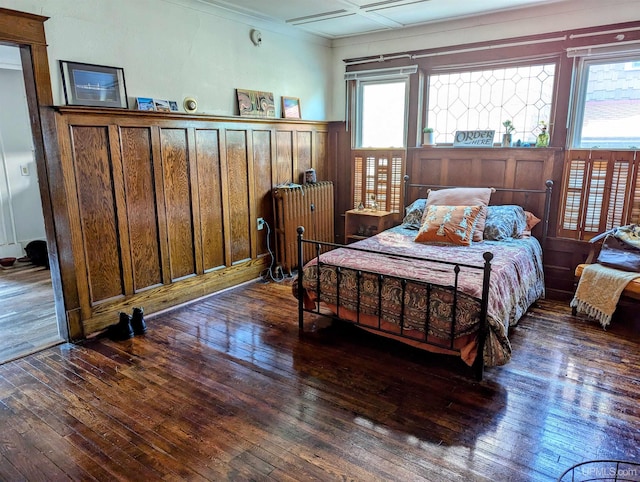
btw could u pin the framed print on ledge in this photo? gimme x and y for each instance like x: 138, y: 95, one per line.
x: 291, y: 108
x: 93, y: 85
x: 255, y: 103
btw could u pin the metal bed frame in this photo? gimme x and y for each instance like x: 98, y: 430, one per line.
x: 320, y: 247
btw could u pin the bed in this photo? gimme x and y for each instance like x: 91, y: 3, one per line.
x: 457, y: 297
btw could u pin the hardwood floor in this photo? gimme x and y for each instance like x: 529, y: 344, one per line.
x: 224, y: 389
x: 27, y: 318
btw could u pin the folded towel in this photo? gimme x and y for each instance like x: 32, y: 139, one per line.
x: 599, y: 290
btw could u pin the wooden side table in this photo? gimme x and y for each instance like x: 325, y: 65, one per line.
x: 360, y: 224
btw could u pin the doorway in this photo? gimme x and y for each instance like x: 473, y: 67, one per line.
x: 28, y: 322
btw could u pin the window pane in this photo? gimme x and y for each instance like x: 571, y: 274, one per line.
x: 383, y: 114
x: 485, y: 99
x: 611, y: 106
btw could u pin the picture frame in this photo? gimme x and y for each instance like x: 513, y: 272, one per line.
x: 93, y: 85
x: 291, y: 108
x: 145, y: 103
x: 173, y: 105
x: 162, y: 105
x: 255, y: 103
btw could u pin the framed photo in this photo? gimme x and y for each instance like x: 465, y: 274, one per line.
x: 254, y: 103
x: 173, y: 105
x: 145, y: 103
x: 291, y: 108
x: 162, y: 105
x: 93, y: 85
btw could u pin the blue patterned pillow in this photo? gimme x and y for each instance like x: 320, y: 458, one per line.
x: 413, y: 217
x: 504, y: 222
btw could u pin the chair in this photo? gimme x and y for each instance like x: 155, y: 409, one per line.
x: 631, y: 291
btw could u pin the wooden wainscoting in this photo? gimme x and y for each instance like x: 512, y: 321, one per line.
x: 509, y: 168
x: 163, y: 207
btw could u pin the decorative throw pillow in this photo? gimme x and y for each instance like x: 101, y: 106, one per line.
x: 504, y: 222
x: 464, y: 196
x: 413, y: 218
x: 532, y: 220
x: 449, y: 224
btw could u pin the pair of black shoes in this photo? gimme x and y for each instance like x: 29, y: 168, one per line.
x: 128, y: 326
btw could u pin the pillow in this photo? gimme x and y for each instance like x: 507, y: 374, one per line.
x: 464, y: 196
x: 504, y: 222
x: 532, y: 220
x: 449, y: 224
x: 414, y: 212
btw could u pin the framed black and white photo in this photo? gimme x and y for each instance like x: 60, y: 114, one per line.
x: 93, y: 85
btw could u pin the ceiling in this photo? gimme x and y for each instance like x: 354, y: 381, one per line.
x: 333, y: 19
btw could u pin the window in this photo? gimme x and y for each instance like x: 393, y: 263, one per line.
x: 382, y: 107
x: 381, y: 97
x: 607, y: 104
x: 601, y: 190
x: 484, y: 99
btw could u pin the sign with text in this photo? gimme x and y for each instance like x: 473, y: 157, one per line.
x: 474, y: 139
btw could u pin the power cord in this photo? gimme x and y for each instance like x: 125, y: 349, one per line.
x: 268, y: 274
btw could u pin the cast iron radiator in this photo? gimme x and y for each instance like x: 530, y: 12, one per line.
x: 308, y: 205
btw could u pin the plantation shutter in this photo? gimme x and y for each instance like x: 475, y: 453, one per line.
x: 600, y: 191
x: 378, y: 176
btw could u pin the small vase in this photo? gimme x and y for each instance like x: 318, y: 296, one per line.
x: 543, y: 140
x: 427, y: 139
x: 506, y: 140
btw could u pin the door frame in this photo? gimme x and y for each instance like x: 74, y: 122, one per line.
x: 26, y: 31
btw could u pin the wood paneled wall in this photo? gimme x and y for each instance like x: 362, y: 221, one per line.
x: 509, y: 168
x: 163, y: 207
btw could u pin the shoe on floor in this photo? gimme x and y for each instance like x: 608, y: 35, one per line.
x: 122, y: 330
x: 137, y: 321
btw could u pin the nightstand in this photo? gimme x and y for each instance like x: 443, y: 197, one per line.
x: 360, y: 224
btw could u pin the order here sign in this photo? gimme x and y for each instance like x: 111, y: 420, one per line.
x: 474, y: 139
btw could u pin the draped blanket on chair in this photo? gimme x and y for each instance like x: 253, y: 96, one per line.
x: 599, y: 290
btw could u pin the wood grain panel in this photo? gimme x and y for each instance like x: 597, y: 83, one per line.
x: 262, y: 184
x: 22, y: 27
x: 237, y: 168
x: 137, y: 164
x: 319, y: 154
x: 284, y: 158
x: 177, y: 191
x: 210, y: 197
x: 96, y: 203
x: 207, y: 179
x: 303, y: 146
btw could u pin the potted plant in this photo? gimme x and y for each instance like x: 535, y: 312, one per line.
x: 428, y: 136
x: 508, y: 130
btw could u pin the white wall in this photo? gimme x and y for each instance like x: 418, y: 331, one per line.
x: 565, y: 15
x: 21, y: 217
x: 171, y: 49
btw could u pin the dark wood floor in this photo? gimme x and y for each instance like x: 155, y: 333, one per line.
x: 223, y: 389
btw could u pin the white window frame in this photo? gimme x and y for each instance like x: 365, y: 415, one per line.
x: 583, y: 59
x: 379, y: 76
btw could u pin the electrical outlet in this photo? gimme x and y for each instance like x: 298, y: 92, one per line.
x: 260, y: 224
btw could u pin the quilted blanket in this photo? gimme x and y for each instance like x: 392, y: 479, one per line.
x: 516, y: 282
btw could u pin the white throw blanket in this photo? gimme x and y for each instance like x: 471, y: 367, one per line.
x: 599, y: 290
